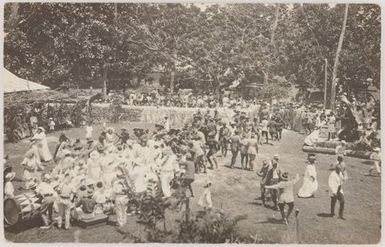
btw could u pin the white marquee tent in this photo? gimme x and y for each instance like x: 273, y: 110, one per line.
x: 13, y: 83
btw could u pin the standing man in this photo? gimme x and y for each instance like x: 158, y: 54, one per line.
x: 336, y: 180
x: 235, y: 145
x: 272, y: 178
x: 224, y: 135
x: 262, y: 173
x: 252, y: 150
x: 265, y: 129
x: 286, y: 194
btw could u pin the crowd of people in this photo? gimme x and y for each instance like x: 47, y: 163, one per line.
x: 95, y: 176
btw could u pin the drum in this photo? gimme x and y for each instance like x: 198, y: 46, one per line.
x: 20, y: 208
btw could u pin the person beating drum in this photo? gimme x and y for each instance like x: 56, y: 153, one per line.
x: 47, y: 192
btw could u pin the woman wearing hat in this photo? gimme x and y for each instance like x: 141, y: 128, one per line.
x: 285, y: 194
x: 31, y: 164
x: 9, y: 189
x: 42, y: 145
x: 310, y: 183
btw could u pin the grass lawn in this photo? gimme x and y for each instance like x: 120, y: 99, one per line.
x: 235, y: 191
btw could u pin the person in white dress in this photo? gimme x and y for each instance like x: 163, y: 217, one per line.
x: 89, y: 130
x: 42, y: 145
x: 94, y: 167
x: 310, y: 183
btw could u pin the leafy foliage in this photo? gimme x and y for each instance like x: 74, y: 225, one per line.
x: 210, y: 227
x: 66, y: 43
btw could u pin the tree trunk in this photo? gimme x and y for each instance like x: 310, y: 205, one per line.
x: 275, y: 24
x: 14, y: 13
x: 334, y: 75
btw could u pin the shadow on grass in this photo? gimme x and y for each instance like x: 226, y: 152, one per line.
x: 367, y: 162
x: 272, y: 221
x: 325, y: 215
x: 24, y: 225
x: 234, y: 167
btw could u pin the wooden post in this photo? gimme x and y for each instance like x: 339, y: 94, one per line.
x: 172, y: 82
x: 105, y: 83
x: 334, y: 75
x: 187, y: 209
x: 326, y: 83
x: 297, y: 226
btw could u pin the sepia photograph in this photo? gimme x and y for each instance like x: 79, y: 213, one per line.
x: 200, y: 123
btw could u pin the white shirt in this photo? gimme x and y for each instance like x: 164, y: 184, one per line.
x: 9, y: 190
x: 335, y: 180
x: 43, y: 189
x: 89, y: 130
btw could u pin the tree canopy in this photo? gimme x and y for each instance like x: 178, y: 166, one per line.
x: 55, y: 43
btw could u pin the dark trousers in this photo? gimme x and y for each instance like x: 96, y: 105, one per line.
x: 199, y: 162
x: 263, y: 191
x: 187, y: 183
x: 341, y: 199
x: 244, y: 160
x: 234, y: 157
x: 266, y: 134
x: 282, y: 209
x: 274, y: 197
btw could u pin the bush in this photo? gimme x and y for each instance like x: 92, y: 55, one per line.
x: 212, y: 226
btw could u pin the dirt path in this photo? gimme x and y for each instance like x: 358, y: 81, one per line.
x: 235, y: 191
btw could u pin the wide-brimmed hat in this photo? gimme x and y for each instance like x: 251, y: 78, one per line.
x: 66, y: 152
x: 31, y: 185
x: 10, y: 176
x: 47, y: 177
x: 311, y: 156
x: 41, y: 128
x: 276, y: 157
x: 284, y: 176
x: 90, y: 193
x: 94, y: 154
x: 78, y: 146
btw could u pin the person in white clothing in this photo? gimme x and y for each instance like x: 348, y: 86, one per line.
x: 205, y: 199
x: 310, y: 183
x: 89, y: 130
x: 9, y: 189
x: 168, y: 169
x: 42, y: 145
x: 336, y: 179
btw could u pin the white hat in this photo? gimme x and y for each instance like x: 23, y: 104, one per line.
x: 41, y: 128
x: 276, y: 157
x: 94, y: 154
x: 10, y: 176
x: 30, y: 185
x: 47, y: 176
x: 66, y: 151
x: 377, y: 150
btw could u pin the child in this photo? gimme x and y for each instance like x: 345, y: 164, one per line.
x: 85, y: 205
x: 205, y: 199
x: 376, y: 168
x: 100, y: 198
x: 89, y: 130
x: 51, y: 124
